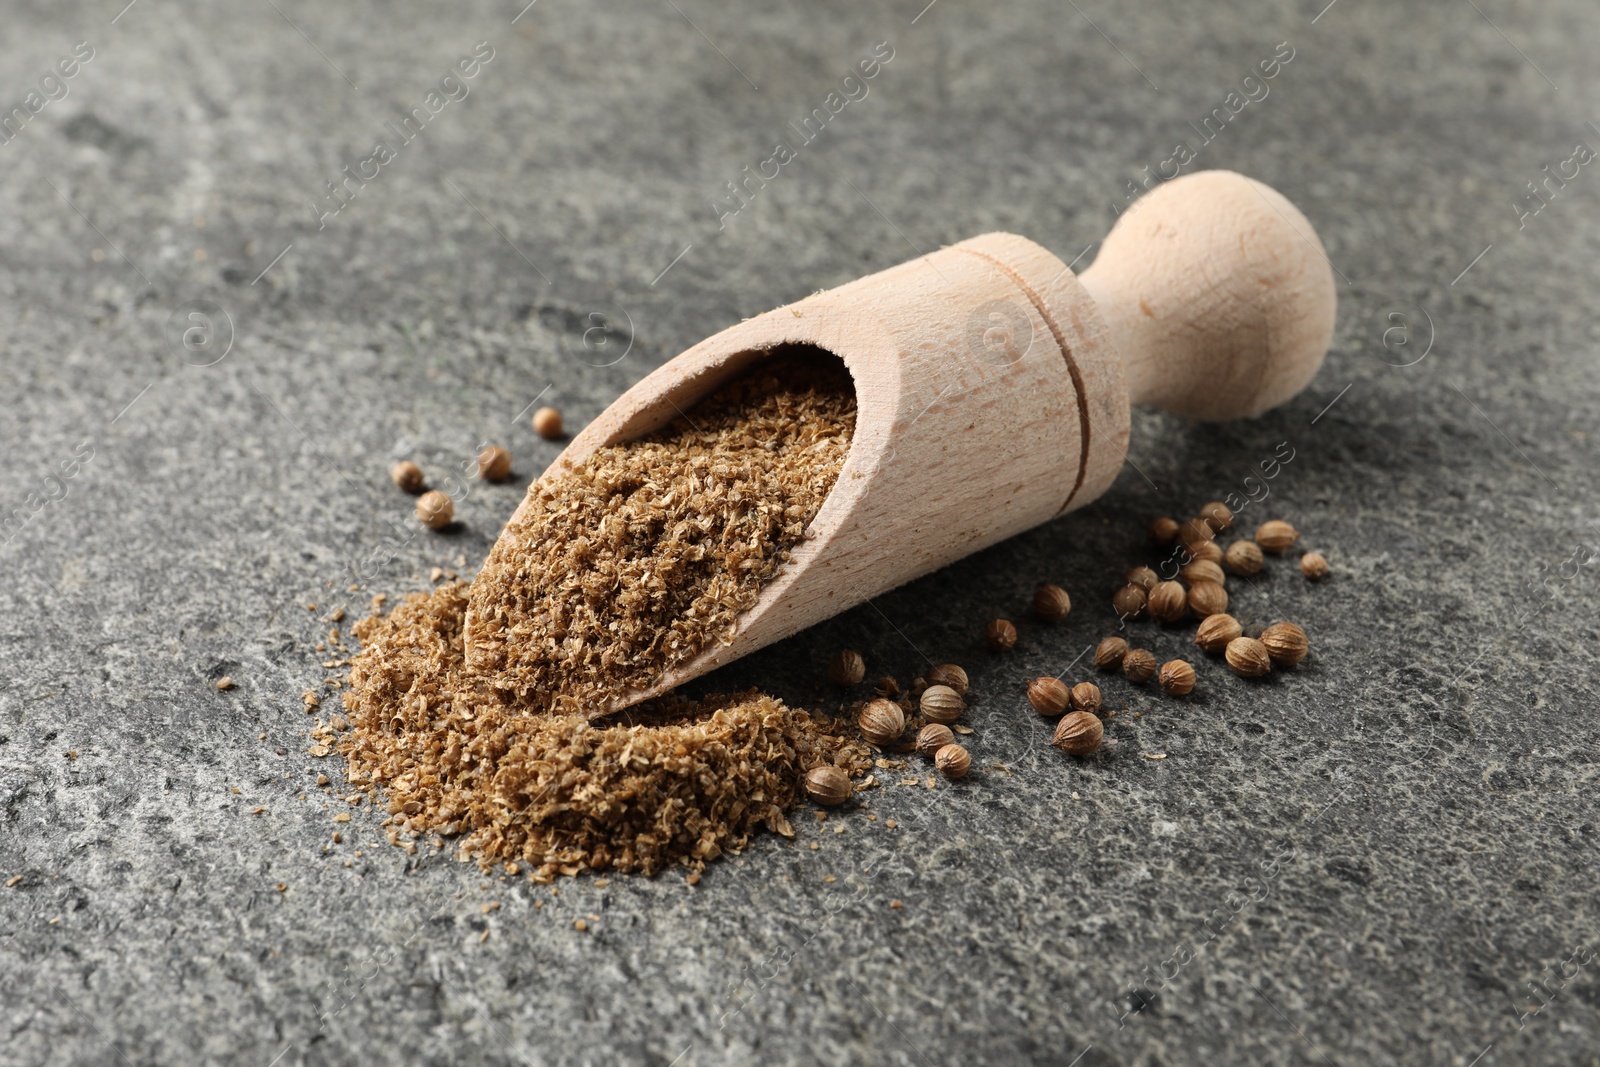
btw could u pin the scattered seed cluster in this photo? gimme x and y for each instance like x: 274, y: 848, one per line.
x: 1194, y: 589
x: 924, y: 720
x: 1199, y: 593
x: 435, y: 509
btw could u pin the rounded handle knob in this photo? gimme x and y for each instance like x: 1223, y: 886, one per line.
x: 1218, y: 296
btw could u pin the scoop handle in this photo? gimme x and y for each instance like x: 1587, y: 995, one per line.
x: 1217, y: 294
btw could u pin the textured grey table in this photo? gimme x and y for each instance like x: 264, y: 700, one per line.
x: 1387, y: 856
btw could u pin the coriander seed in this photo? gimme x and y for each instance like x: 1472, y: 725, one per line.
x: 1276, y: 536
x: 1176, y: 678
x: 1244, y: 558
x: 1209, y: 551
x: 1196, y: 531
x: 932, y: 737
x: 1314, y: 565
x: 1202, y: 570
x: 1109, y: 652
x: 882, y: 722
x: 1218, y: 515
x: 1078, y: 733
x: 1139, y: 665
x: 953, y: 761
x: 408, y: 476
x: 1051, y: 603
x: 828, y: 785
x: 887, y: 687
x: 847, y: 667
x: 1168, y: 601
x: 1286, y: 643
x: 1143, y: 577
x: 948, y: 674
x: 547, y: 423
x: 434, y: 510
x: 494, y: 464
x: 942, y: 704
x: 1049, y: 696
x: 1128, y: 602
x: 1164, y: 531
x: 1207, y: 599
x: 1086, y: 697
x: 1216, y: 631
x: 1248, y: 657
x: 1001, y: 635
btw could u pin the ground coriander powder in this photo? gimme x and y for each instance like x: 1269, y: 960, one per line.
x: 618, y: 569
x: 650, y: 550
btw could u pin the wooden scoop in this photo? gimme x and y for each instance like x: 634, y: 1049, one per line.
x: 993, y: 385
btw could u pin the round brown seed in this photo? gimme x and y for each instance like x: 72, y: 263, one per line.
x: 1207, y: 599
x: 828, y: 785
x: 494, y: 464
x: 1202, y: 570
x: 1218, y: 515
x: 547, y: 423
x: 435, y: 510
x: 882, y: 722
x: 1049, y: 696
x: 1285, y: 643
x: 847, y: 667
x: 1244, y: 558
x: 1248, y: 657
x: 1216, y: 631
x: 1000, y: 635
x: 1109, y: 652
x: 1078, y: 733
x: 1051, y: 603
x: 950, y: 675
x: 1314, y: 565
x: 1139, y: 665
x: 953, y: 761
x: 408, y: 476
x: 1128, y: 602
x: 940, y: 703
x: 1196, y: 531
x: 1276, y: 536
x: 1143, y: 577
x: 1168, y: 601
x: 1209, y: 551
x: 1164, y: 531
x: 1177, y: 678
x: 1086, y: 697
x: 932, y: 737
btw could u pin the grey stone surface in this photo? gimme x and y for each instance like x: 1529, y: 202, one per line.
x: 1368, y: 860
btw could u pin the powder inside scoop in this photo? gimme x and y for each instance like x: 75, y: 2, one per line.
x: 648, y: 551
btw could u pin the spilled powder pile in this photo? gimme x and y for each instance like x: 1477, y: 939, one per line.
x: 651, y: 550
x: 623, y: 567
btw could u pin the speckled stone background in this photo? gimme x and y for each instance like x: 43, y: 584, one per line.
x: 1387, y: 856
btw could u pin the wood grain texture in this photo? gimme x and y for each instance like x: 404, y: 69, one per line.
x: 993, y: 388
